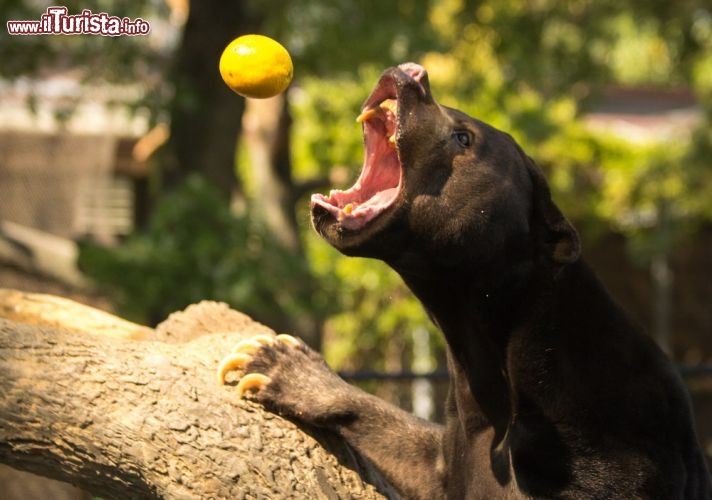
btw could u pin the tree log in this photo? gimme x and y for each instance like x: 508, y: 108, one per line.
x: 147, y: 419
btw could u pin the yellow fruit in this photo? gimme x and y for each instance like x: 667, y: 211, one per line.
x: 256, y: 66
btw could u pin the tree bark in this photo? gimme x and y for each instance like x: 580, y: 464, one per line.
x: 125, y: 418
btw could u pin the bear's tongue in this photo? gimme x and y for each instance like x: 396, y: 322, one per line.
x: 379, y: 183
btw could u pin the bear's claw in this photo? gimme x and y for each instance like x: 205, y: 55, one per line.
x: 252, y: 381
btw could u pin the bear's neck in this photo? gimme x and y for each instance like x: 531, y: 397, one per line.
x: 477, y: 314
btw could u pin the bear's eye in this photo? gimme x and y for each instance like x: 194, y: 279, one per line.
x: 463, y: 138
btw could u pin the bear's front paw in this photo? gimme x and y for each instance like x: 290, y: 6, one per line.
x: 285, y: 375
x: 243, y: 355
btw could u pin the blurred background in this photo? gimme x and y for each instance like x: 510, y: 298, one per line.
x: 132, y: 178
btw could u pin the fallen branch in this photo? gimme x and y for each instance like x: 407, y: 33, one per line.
x: 124, y: 418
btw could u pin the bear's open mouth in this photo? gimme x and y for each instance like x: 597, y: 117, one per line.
x: 379, y: 184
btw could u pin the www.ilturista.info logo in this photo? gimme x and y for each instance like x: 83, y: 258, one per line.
x: 56, y: 21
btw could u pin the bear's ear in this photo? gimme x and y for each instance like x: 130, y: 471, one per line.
x: 553, y: 232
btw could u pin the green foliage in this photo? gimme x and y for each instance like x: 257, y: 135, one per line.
x: 193, y: 249
x: 373, y: 310
x: 333, y: 37
x: 326, y: 134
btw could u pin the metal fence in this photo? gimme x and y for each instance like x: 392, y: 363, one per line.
x: 422, y: 393
x: 686, y: 372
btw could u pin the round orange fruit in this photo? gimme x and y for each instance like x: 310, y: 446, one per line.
x: 256, y: 66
